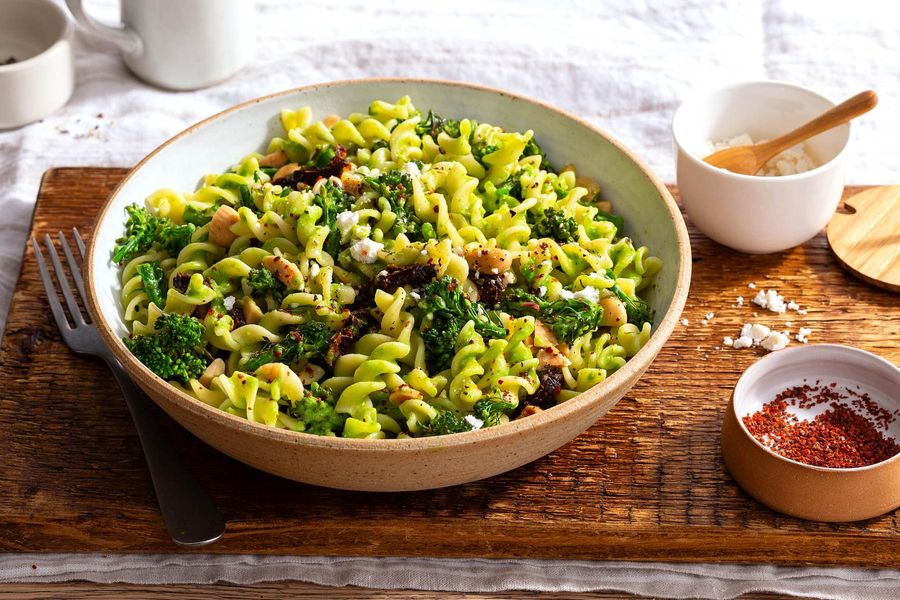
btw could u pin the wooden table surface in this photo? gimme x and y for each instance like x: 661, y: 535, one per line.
x: 645, y: 483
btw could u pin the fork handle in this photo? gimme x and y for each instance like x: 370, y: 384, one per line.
x: 190, y: 516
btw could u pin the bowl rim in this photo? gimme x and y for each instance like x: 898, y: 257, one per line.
x: 698, y: 96
x: 62, y: 38
x: 771, y: 360
x: 618, y: 382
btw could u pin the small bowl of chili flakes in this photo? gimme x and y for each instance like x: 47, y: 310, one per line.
x: 814, y: 432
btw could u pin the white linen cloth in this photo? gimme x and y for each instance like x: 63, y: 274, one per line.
x: 623, y: 64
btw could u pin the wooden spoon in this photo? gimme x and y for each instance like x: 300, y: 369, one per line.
x: 748, y: 160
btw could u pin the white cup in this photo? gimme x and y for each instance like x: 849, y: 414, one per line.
x: 180, y: 44
x: 36, y: 70
x: 757, y: 215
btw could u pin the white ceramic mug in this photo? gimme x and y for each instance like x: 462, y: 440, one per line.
x: 180, y: 44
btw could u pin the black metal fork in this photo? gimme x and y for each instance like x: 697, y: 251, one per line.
x: 190, y: 516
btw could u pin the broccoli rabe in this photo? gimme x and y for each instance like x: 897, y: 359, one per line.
x: 433, y: 124
x: 304, y: 341
x: 333, y: 200
x: 263, y: 283
x: 568, y: 318
x: 491, y: 409
x: 450, y: 310
x: 153, y: 281
x: 440, y: 342
x: 198, y: 217
x: 638, y: 311
x: 174, y: 350
x: 396, y: 189
x: 142, y: 230
x: 481, y: 148
x: 446, y: 422
x: 532, y: 148
x: 556, y: 225
x: 316, y: 410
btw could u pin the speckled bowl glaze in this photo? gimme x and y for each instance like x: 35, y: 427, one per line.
x: 651, y: 218
x: 795, y: 488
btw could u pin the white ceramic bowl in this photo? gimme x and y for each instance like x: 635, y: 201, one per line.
x: 795, y: 488
x: 757, y: 215
x: 37, y: 34
x: 651, y: 218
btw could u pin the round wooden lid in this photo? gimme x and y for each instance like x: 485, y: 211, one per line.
x: 865, y: 236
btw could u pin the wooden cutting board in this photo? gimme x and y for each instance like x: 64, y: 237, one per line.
x: 645, y: 483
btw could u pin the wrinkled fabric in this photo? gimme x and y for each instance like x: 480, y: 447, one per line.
x: 624, y: 65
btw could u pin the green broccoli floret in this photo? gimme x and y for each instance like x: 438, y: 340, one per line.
x: 532, y: 148
x: 316, y: 410
x: 174, y: 351
x: 480, y: 148
x: 395, y: 187
x: 450, y: 310
x: 304, y: 341
x: 446, y: 422
x: 433, y: 124
x: 556, y: 225
x: 263, y: 283
x: 153, y: 281
x: 142, y: 230
x: 638, y: 311
x: 440, y: 342
x: 491, y: 408
x: 568, y: 318
x: 333, y: 200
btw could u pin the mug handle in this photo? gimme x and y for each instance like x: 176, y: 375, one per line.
x: 125, y: 38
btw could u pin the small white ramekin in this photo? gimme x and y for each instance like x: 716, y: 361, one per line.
x: 757, y: 215
x: 38, y: 34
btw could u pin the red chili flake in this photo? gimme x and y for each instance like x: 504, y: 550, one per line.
x: 849, y: 434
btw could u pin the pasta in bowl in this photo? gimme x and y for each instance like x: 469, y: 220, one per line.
x: 382, y: 271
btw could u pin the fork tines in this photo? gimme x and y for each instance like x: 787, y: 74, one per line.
x: 55, y: 307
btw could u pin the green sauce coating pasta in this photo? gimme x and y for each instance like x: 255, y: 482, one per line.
x: 389, y: 274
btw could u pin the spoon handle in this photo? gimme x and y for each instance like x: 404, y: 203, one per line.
x: 843, y: 112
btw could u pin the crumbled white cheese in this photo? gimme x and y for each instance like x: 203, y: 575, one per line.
x: 803, y: 335
x: 710, y: 315
x: 793, y: 305
x: 542, y: 290
x: 411, y: 169
x: 495, y: 271
x: 383, y: 273
x: 313, y: 268
x: 776, y: 340
x: 472, y: 420
x: 740, y: 301
x: 415, y: 296
x: 685, y: 322
x: 366, y: 251
x: 228, y: 302
x: 704, y: 322
x: 590, y: 293
x: 346, y: 221
x: 770, y: 300
x: 757, y: 334
x: 801, y: 311
x: 566, y: 294
x: 788, y: 324
x: 742, y: 342
x: 751, y: 285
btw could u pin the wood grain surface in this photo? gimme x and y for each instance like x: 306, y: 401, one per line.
x: 645, y: 483
x: 865, y: 236
x: 280, y: 590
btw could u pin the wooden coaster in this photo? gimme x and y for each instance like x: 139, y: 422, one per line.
x: 865, y: 236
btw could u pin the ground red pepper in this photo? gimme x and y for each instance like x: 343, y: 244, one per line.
x: 849, y: 434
